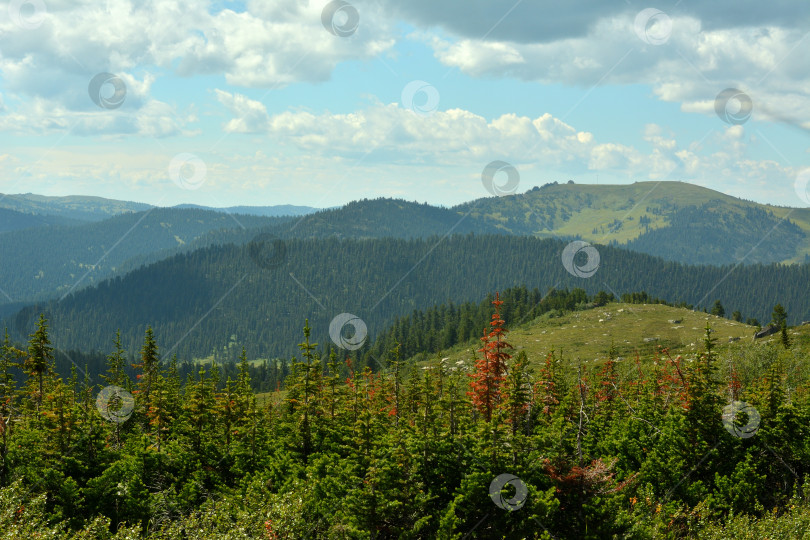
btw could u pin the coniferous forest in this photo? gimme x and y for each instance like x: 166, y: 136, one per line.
x: 499, y: 446
x: 404, y: 270
x: 217, y: 298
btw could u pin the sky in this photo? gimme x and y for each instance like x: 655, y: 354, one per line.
x: 320, y: 103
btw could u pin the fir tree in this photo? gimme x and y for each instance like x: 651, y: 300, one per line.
x: 39, y: 363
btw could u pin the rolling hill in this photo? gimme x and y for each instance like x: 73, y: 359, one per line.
x: 587, y: 336
x: 77, y: 207
x: 673, y: 220
x: 202, y: 301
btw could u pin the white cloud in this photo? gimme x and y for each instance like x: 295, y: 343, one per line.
x: 459, y: 139
x: 269, y: 45
x: 691, y: 68
x: 250, y: 116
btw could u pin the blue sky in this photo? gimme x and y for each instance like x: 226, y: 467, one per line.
x: 234, y: 103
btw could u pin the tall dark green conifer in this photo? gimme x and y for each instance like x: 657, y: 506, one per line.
x: 39, y: 363
x: 149, y: 366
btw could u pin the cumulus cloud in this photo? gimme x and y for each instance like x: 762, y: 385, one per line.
x: 396, y: 136
x: 545, y: 22
x: 250, y: 116
x: 698, y: 60
x: 268, y: 45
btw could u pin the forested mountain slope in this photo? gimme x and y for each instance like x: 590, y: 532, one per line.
x: 203, y: 300
x: 50, y: 261
x: 12, y: 220
x: 673, y: 220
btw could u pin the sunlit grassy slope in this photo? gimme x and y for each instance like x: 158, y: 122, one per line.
x: 587, y: 336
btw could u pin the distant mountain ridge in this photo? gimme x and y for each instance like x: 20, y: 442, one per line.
x: 268, y: 211
x: 76, y: 207
x: 80, y: 208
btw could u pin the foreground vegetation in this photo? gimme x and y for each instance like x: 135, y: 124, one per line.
x: 630, y: 448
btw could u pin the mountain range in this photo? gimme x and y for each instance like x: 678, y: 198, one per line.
x: 188, y: 254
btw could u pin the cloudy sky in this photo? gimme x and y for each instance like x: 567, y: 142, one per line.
x: 319, y: 103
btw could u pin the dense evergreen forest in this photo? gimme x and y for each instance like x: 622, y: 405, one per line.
x: 693, y: 235
x: 501, y: 446
x: 46, y: 261
x: 54, y: 254
x: 420, y: 333
x: 217, y: 298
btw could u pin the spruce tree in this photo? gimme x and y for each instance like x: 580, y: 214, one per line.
x: 149, y: 366
x: 39, y: 363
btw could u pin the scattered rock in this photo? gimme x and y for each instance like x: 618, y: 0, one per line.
x: 770, y: 329
x: 649, y: 339
x: 675, y: 321
x: 732, y: 339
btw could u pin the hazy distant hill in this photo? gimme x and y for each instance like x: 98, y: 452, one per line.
x: 78, y: 207
x: 269, y: 211
x: 674, y: 220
